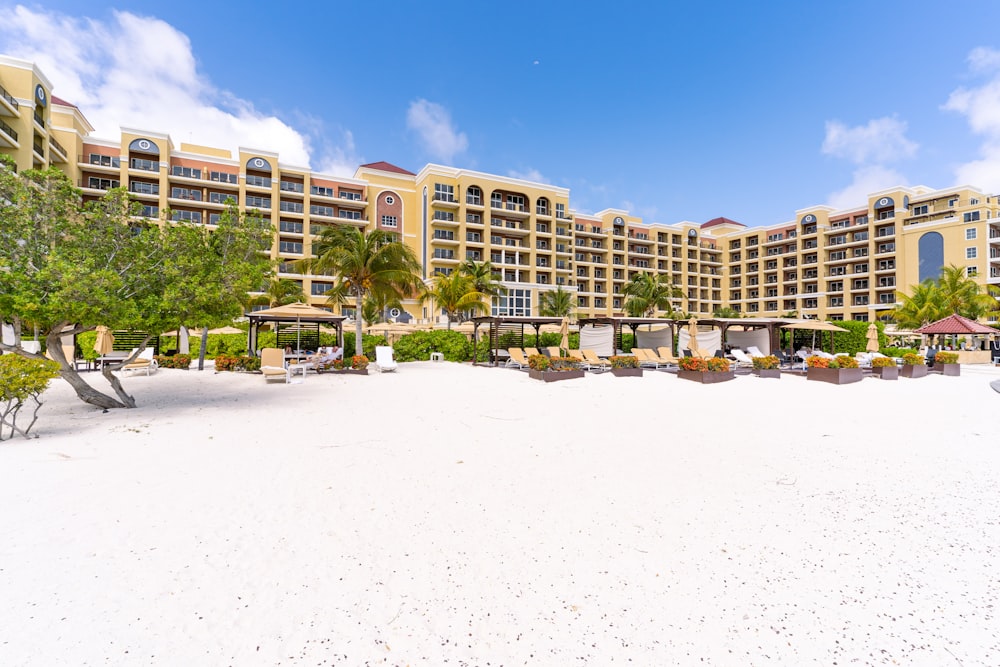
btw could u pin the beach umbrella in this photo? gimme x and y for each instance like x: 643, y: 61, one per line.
x: 872, y: 336
x: 105, y: 342
x: 692, y: 334
x: 564, y: 334
x: 814, y: 326
x: 225, y: 330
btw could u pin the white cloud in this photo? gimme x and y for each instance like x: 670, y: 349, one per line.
x: 141, y: 72
x: 529, y: 174
x: 881, y: 140
x: 434, y: 127
x: 867, y: 179
x: 981, y: 107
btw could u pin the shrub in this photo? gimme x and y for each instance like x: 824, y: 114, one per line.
x: 245, y: 363
x: 22, y: 380
x: 718, y: 364
x: 692, y: 364
x: 624, y: 361
x: 539, y: 362
x: 897, y: 351
x: 818, y: 362
x: 563, y: 364
x: 86, y: 341
x: 418, y: 346
x: 182, y: 361
x: 912, y: 359
x: 359, y: 361
x: 765, y: 363
x: 946, y: 358
x: 883, y: 362
x: 844, y: 361
x: 368, y: 344
x: 855, y: 339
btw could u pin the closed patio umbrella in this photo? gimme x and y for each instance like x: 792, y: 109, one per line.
x: 564, y: 334
x: 692, y: 334
x: 872, y: 336
x: 105, y: 342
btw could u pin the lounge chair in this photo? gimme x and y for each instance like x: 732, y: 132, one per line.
x: 577, y: 356
x: 144, y: 362
x: 531, y: 352
x: 516, y: 358
x: 272, y: 365
x: 741, y: 358
x: 666, y: 355
x: 554, y: 351
x: 647, y: 358
x: 701, y: 354
x: 593, y: 360
x: 754, y: 351
x: 383, y: 359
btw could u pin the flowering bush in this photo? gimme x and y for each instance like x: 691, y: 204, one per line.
x: 359, y: 361
x: 228, y: 362
x: 883, y: 362
x: 946, y: 358
x: 844, y: 361
x: 539, y: 362
x: 765, y: 363
x: 818, y: 362
x: 911, y: 359
x: 718, y: 364
x: 338, y: 364
x: 176, y: 361
x: 624, y: 361
x: 692, y: 364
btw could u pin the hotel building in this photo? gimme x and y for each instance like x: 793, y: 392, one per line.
x: 822, y: 262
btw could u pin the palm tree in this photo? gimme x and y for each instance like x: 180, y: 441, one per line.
x: 556, y: 303
x: 373, y: 264
x: 455, y: 293
x: 485, y: 277
x: 279, y: 292
x: 374, y: 308
x: 648, y: 293
x: 963, y: 295
x: 731, y: 313
x: 924, y: 305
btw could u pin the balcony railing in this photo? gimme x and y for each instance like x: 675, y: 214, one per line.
x: 57, y: 146
x: 10, y: 98
x: 8, y: 130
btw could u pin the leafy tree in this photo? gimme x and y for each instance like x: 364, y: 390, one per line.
x: 68, y: 268
x: 373, y: 264
x: 922, y: 306
x: 454, y: 293
x: 556, y: 303
x: 375, y: 306
x: 648, y: 293
x: 485, y: 277
x: 21, y: 380
x: 279, y: 292
x: 963, y: 295
x: 726, y: 313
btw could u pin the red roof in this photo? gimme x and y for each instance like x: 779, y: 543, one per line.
x: 955, y: 324
x: 385, y: 166
x: 715, y: 222
x: 59, y: 100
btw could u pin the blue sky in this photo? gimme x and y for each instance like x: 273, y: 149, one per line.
x: 674, y: 111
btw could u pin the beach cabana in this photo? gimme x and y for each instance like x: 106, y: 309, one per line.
x: 814, y: 326
x: 956, y: 325
x: 512, y: 328
x: 647, y: 332
x: 299, y: 319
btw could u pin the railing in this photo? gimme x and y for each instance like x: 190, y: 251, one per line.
x: 8, y: 130
x: 38, y: 118
x: 10, y: 98
x: 57, y: 146
x: 440, y: 196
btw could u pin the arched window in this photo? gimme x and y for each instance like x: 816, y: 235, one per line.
x: 542, y: 207
x: 930, y: 253
x: 474, y: 195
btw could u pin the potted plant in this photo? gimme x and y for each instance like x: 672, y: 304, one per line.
x: 552, y: 369
x: 947, y: 363
x: 706, y: 371
x: 766, y: 367
x: 840, y: 370
x: 885, y: 368
x: 913, y: 366
x: 625, y: 366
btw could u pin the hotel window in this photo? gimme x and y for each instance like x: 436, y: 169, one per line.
x: 187, y: 216
x: 388, y: 221
x: 953, y: 202
x: 970, y: 234
x: 971, y: 271
x: 349, y: 215
x: 258, y: 202
x: 186, y: 172
x: 542, y: 206
x: 971, y: 216
x: 474, y: 196
x: 103, y: 183
x: 515, y: 303
x: 973, y: 201
x: 290, y: 247
x: 350, y: 195
x: 222, y: 177
x: 920, y: 210
x: 321, y: 191
x: 258, y: 181
x: 443, y: 253
x: 319, y: 289
x: 496, y: 200
x: 320, y: 210
x: 971, y: 253
x: 560, y: 210
x: 474, y: 218
x: 444, y: 192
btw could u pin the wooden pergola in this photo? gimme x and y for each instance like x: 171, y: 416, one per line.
x: 499, y: 325
x: 724, y: 323
x: 294, y: 315
x: 632, y: 323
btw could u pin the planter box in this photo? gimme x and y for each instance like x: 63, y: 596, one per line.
x: 627, y: 372
x: 768, y: 373
x: 953, y: 370
x: 706, y: 377
x: 348, y: 371
x: 913, y: 371
x: 834, y: 375
x: 554, y: 376
x: 886, y: 372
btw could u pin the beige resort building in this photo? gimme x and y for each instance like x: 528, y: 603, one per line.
x: 821, y: 262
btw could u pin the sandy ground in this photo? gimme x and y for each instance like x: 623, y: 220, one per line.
x: 450, y: 515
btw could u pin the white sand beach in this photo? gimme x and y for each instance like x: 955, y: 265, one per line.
x: 451, y: 515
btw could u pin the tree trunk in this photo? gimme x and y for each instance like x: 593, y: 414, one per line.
x: 84, y: 391
x: 203, y: 348
x: 358, y: 347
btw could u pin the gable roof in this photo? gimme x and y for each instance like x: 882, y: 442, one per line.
x: 59, y: 100
x: 385, y: 166
x: 955, y: 324
x: 715, y: 222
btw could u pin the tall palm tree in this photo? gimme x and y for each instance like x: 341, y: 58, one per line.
x: 485, y: 277
x: 963, y: 295
x: 279, y: 292
x: 454, y: 294
x: 924, y: 305
x: 556, y: 303
x: 648, y: 293
x: 373, y: 264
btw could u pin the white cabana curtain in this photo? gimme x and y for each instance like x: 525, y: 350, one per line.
x: 744, y: 339
x: 599, y: 338
x: 710, y: 341
x: 654, y: 339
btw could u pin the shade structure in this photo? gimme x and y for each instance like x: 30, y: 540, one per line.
x: 693, y: 334
x: 105, y: 342
x: 955, y: 324
x: 564, y: 334
x: 872, y: 336
x: 814, y: 326
x: 292, y: 312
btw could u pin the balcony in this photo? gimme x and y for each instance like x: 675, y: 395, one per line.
x: 510, y: 227
x: 56, y: 152
x: 511, y: 209
x: 9, y: 106
x: 445, y: 200
x: 8, y: 136
x: 352, y: 200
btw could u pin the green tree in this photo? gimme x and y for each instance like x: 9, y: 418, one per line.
x: 279, y: 292
x: 726, y: 313
x: 963, y: 295
x: 454, y: 293
x: 648, y: 293
x: 374, y: 308
x: 364, y: 264
x: 923, y: 305
x: 556, y: 303
x: 485, y: 277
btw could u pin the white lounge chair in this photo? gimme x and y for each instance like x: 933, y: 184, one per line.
x: 144, y: 362
x: 754, y: 351
x: 383, y: 359
x: 741, y: 358
x: 272, y: 365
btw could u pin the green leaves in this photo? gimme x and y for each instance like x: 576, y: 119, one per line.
x: 953, y: 292
x: 648, y: 293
